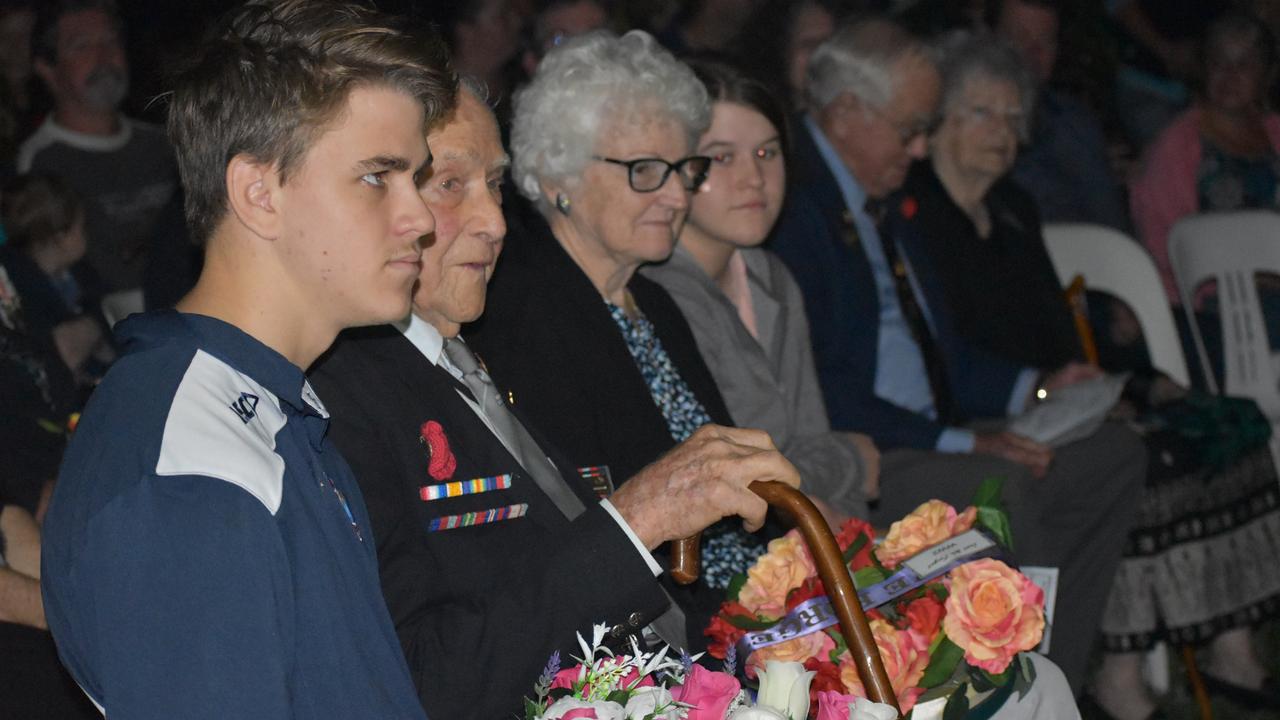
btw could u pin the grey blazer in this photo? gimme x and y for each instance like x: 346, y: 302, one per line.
x: 768, y: 383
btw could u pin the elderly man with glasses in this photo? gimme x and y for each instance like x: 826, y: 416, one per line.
x: 887, y: 360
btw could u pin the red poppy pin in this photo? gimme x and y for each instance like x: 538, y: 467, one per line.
x: 909, y: 207
x: 441, y: 462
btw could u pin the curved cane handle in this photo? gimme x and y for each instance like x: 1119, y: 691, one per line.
x: 835, y: 578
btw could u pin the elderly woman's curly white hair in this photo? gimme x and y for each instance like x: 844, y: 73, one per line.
x: 594, y: 79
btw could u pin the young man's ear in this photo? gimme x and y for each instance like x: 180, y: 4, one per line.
x: 253, y: 197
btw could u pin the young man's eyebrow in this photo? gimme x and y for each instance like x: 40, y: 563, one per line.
x: 382, y: 163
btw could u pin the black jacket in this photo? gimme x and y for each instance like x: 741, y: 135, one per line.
x: 480, y: 608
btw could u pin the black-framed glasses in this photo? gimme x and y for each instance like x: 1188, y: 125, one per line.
x: 922, y: 127
x: 648, y: 174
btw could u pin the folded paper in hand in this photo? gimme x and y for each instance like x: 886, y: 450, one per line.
x: 1072, y: 413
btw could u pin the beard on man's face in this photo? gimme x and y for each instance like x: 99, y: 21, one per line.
x: 106, y: 87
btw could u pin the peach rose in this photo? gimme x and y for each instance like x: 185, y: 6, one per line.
x: 814, y: 645
x: 993, y: 613
x: 905, y: 657
x: 775, y: 574
x: 926, y: 526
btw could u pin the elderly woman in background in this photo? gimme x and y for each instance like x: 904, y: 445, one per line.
x: 745, y: 309
x: 983, y: 242
x: 597, y: 357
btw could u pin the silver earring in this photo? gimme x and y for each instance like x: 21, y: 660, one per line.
x: 562, y: 204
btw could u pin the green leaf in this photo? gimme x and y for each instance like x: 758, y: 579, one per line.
x: 942, y: 663
x: 619, y: 696
x: 999, y: 679
x: 957, y: 706
x: 938, y: 691
x: 988, y: 494
x: 735, y: 586
x: 840, y: 648
x: 998, y: 523
x: 532, y: 709
x: 1025, y: 675
x: 742, y: 622
x: 868, y: 576
x: 855, y: 547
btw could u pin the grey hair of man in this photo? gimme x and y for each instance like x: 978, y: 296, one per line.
x: 584, y: 87
x: 860, y: 58
x: 965, y: 56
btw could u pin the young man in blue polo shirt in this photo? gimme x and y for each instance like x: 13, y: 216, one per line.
x: 207, y: 552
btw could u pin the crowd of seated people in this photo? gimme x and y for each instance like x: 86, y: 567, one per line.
x: 798, y: 217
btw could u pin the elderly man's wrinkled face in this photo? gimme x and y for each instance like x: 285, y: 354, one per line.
x: 878, y: 145
x: 979, y: 136
x: 464, y: 192
x: 629, y: 228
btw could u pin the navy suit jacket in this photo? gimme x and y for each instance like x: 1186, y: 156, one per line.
x: 844, y: 312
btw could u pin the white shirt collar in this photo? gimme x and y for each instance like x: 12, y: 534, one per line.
x: 424, y: 336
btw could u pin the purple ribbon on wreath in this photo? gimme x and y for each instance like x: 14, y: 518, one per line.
x: 817, y: 614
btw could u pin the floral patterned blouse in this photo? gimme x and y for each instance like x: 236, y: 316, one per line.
x: 726, y: 549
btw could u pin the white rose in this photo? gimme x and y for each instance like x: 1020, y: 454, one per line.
x: 604, y: 709
x: 756, y: 713
x: 931, y: 710
x: 647, y: 700
x: 784, y: 687
x: 864, y: 709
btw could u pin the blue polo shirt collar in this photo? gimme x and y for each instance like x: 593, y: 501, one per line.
x: 232, y: 345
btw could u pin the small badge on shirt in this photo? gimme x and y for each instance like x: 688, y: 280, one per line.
x: 480, y: 517
x: 599, y: 478
x: 346, y: 508
x: 458, y: 488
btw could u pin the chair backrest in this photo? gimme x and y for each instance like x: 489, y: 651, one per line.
x: 1230, y: 248
x: 1112, y: 262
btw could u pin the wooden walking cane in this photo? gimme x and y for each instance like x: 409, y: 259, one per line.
x: 685, y: 566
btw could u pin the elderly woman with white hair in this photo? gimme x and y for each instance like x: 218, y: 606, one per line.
x: 598, y: 358
x: 983, y: 244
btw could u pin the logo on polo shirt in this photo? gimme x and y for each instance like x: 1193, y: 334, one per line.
x: 246, y: 406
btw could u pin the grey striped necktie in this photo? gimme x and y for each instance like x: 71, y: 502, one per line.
x: 512, y: 433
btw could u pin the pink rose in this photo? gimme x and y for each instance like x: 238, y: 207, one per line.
x: 775, y: 574
x: 835, y: 706
x: 798, y: 649
x: 926, y: 526
x: 905, y: 655
x: 708, y: 692
x: 993, y: 613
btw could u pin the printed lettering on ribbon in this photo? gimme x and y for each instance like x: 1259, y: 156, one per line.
x: 817, y: 614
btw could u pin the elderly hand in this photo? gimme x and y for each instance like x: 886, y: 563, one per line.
x: 700, y: 481
x: 1015, y: 448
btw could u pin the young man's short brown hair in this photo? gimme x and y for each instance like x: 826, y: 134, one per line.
x: 275, y: 73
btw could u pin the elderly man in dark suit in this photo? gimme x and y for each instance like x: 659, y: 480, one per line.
x: 889, y: 365
x: 493, y: 549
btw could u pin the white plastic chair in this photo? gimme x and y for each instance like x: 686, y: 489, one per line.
x: 1112, y: 262
x: 1230, y: 248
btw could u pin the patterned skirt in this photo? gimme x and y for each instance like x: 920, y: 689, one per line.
x: 1203, y: 556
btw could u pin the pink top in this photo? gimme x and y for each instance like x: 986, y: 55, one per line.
x: 1164, y: 189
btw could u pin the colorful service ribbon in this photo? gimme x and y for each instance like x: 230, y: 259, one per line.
x: 458, y: 488
x: 480, y: 517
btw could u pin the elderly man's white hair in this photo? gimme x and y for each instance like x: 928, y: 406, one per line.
x: 860, y: 59
x: 593, y: 78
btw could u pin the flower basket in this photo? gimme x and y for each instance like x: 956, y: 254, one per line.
x: 949, y: 615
